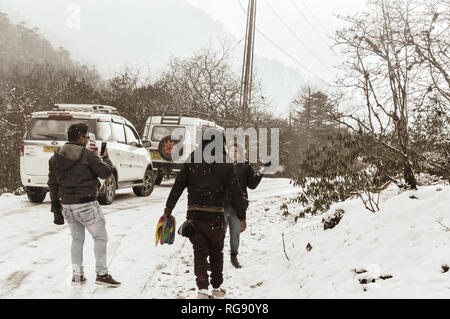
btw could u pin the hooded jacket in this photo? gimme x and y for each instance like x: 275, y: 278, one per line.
x: 247, y: 178
x: 73, y: 174
x: 207, y: 185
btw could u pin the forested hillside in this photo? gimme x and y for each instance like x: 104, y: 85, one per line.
x: 33, y: 76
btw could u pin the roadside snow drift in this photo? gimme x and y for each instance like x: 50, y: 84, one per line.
x: 402, y: 251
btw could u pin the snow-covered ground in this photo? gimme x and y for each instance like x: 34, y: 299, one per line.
x: 404, y: 240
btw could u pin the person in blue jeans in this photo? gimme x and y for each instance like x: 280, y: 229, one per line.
x: 247, y: 178
x: 87, y: 216
x: 73, y: 181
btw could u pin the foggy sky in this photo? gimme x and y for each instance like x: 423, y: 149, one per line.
x: 313, y: 26
x: 114, y: 33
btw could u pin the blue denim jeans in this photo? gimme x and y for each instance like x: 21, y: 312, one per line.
x: 234, y: 224
x: 87, y: 216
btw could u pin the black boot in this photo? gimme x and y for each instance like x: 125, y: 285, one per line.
x: 235, y: 261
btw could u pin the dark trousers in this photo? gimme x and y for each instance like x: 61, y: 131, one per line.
x: 208, y: 240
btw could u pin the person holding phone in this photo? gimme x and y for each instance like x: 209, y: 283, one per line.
x: 74, y: 171
x: 247, y: 178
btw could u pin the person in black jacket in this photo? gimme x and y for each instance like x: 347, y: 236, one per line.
x: 236, y: 221
x: 73, y: 180
x: 207, y: 185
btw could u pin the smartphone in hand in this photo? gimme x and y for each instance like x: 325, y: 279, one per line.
x: 103, y: 149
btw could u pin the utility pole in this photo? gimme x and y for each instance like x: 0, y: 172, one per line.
x: 247, y: 64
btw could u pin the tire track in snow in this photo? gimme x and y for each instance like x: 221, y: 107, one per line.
x: 13, y: 281
x: 169, y: 265
x: 33, y: 242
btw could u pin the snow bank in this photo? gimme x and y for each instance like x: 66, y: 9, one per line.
x: 399, y: 252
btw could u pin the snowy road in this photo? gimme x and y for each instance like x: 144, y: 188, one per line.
x: 35, y: 253
x: 402, y: 251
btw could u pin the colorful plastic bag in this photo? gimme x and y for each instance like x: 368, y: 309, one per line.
x: 165, y: 230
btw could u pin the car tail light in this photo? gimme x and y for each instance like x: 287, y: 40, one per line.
x: 22, y: 148
x: 92, y: 146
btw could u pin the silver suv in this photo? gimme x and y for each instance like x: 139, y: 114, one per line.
x: 48, y: 130
x: 158, y: 131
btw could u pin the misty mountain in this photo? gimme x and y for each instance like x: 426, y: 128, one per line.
x: 143, y: 34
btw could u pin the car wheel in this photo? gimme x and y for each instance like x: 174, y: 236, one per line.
x: 159, y: 178
x: 147, y: 188
x: 108, y: 191
x: 36, y: 194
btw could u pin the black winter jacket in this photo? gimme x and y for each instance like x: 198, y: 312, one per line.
x: 207, y: 185
x: 247, y: 177
x: 73, y: 174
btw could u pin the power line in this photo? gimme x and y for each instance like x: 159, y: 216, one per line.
x: 239, y: 42
x: 311, y: 25
x: 290, y: 56
x: 240, y: 4
x: 314, y: 16
x: 283, y: 51
x: 296, y: 36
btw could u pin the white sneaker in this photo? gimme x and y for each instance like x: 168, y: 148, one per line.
x: 203, y: 294
x: 219, y: 293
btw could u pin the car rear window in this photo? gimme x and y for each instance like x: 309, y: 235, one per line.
x: 50, y: 129
x: 104, y: 132
x: 159, y: 132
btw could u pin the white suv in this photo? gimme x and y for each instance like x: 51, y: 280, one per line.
x: 158, y: 131
x: 132, y: 164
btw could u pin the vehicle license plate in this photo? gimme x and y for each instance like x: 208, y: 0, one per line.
x: 50, y: 149
x: 155, y: 155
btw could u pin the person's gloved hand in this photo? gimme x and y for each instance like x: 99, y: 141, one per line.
x: 58, y: 218
x: 167, y: 212
x: 57, y: 214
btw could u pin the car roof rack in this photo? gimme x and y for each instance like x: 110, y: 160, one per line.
x: 95, y: 108
x: 174, y: 117
x: 171, y: 119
